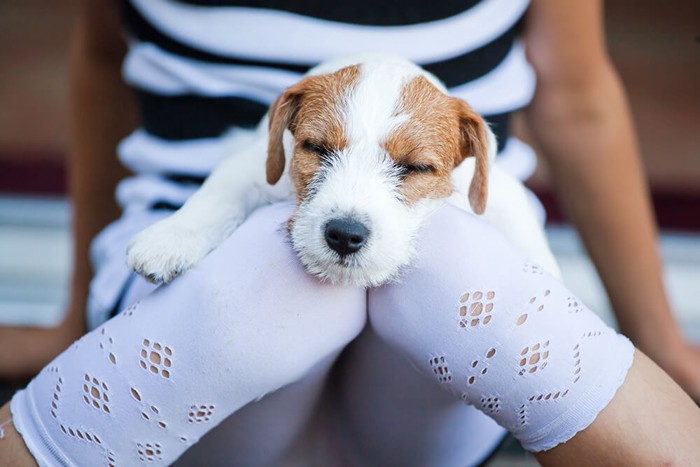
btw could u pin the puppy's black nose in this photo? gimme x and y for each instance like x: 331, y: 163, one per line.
x: 346, y: 236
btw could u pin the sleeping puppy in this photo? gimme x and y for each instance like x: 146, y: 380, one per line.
x: 368, y: 147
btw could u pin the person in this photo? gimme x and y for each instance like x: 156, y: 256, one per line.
x: 574, y: 89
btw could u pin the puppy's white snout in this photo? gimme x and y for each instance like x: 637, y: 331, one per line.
x: 346, y: 235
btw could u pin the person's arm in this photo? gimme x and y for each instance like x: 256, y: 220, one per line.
x: 650, y: 421
x: 581, y: 122
x: 102, y: 112
x: 13, y: 451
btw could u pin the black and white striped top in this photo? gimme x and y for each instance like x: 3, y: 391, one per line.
x: 201, y: 67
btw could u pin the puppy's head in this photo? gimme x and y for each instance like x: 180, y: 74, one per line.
x: 372, y: 148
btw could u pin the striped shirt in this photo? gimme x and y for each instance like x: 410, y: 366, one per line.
x: 202, y: 67
x: 203, y: 70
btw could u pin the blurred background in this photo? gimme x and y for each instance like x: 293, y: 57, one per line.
x: 655, y: 46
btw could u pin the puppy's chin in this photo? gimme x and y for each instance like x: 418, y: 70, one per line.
x: 355, y: 270
x: 390, y: 248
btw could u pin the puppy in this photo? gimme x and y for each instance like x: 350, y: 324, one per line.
x: 368, y: 147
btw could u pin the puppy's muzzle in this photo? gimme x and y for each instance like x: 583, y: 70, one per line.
x: 346, y: 236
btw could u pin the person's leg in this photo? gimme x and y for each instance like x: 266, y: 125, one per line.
x: 265, y: 432
x: 150, y: 382
x: 386, y: 413
x: 499, y: 333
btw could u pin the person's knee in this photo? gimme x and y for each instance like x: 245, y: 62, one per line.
x: 459, y: 254
x: 252, y: 296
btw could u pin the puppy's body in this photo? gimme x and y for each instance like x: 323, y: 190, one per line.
x: 376, y: 144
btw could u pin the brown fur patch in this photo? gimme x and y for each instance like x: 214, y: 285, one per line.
x: 315, y: 108
x: 441, y: 133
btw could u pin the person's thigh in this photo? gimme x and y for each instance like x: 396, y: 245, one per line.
x: 151, y: 381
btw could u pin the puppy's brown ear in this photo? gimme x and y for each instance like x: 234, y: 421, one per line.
x: 475, y: 143
x: 282, y: 116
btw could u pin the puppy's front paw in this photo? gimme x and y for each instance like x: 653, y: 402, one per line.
x: 165, y: 250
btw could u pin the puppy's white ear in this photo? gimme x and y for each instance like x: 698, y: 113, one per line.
x: 478, y: 142
x: 281, y: 116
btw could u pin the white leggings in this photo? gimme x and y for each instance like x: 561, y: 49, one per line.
x: 474, y: 317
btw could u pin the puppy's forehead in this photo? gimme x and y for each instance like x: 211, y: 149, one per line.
x: 372, y: 107
x: 432, y: 123
x: 329, y: 91
x: 366, y: 103
x: 324, y: 103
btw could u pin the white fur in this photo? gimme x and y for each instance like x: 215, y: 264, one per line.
x: 364, y: 187
x: 508, y: 208
x: 359, y: 183
x: 362, y: 184
x: 233, y: 190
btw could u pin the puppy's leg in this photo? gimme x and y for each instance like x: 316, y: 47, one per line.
x: 236, y: 187
x: 509, y: 208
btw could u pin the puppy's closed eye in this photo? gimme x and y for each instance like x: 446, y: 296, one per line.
x: 320, y: 149
x: 407, y: 169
